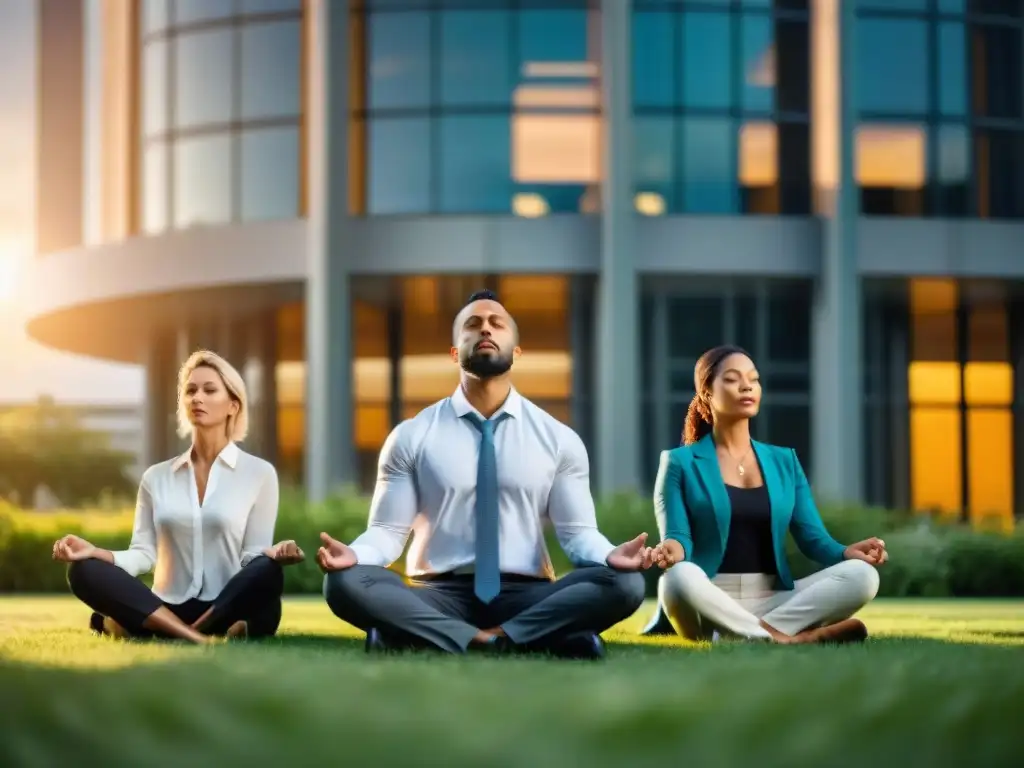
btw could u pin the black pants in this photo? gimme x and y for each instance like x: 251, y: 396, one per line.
x: 445, y: 613
x: 252, y: 595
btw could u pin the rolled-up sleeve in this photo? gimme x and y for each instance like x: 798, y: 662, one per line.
x: 571, y: 507
x: 395, y: 502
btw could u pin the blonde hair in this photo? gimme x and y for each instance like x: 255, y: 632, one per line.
x: 238, y: 425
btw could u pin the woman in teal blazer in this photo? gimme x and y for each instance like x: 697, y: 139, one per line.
x: 724, y: 503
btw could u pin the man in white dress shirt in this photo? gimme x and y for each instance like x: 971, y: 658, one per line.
x: 474, y: 478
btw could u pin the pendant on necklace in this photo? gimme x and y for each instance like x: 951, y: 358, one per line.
x: 741, y: 470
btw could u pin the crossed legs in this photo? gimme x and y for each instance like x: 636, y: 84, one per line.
x: 445, y: 613
x: 698, y: 607
x: 252, y: 596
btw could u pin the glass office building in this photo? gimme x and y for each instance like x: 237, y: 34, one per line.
x: 314, y: 188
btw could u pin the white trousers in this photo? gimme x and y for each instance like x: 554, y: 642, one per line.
x: 736, y: 603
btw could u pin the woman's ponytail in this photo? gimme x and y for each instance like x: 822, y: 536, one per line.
x: 698, y: 421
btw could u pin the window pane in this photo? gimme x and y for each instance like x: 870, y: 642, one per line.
x: 399, y: 60
x: 953, y: 173
x: 154, y: 88
x: 789, y: 323
x: 758, y: 64
x: 933, y: 383
x: 758, y: 147
x: 270, y: 173
x: 474, y: 164
x: 474, y: 57
x: 203, y: 69
x: 271, y: 64
x: 270, y: 6
x: 952, y: 70
x: 154, y: 15
x: 990, y: 463
x: 654, y: 157
x: 794, y: 168
x: 695, y: 325
x: 935, y: 473
x: 792, y: 60
x: 999, y: 158
x: 202, y: 181
x: 997, y: 61
x: 892, y: 64
x: 190, y: 11
x: 552, y: 36
x: 557, y: 157
x: 154, y: 189
x: 893, y: 5
x: 708, y: 166
x: 705, y: 65
x: 988, y: 384
x: 891, y: 164
x: 399, y: 166
x: 653, y: 56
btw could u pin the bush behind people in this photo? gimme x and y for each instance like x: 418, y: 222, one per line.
x: 927, y: 558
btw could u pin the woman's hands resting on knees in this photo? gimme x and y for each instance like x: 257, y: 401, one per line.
x: 668, y: 553
x: 285, y: 552
x: 71, y: 548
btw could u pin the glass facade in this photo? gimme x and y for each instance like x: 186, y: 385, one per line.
x: 220, y: 104
x: 479, y: 107
x: 721, y: 103
x: 940, y: 87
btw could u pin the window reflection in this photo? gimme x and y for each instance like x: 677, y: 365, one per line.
x: 154, y: 189
x: 952, y: 69
x: 474, y: 58
x: 474, y: 153
x: 271, y: 63
x: 399, y: 165
x: 154, y: 79
x: 270, y: 6
x: 705, y: 63
x: 203, y: 73
x: 192, y: 11
x: 892, y: 57
x: 708, y: 165
x: 652, y: 58
x: 398, y: 60
x: 202, y: 171
x: 270, y: 173
x: 758, y: 64
x: 654, y: 157
x: 890, y: 167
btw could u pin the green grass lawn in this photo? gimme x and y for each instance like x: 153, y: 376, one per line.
x: 939, y: 684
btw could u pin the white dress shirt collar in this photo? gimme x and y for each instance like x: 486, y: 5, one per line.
x: 229, y: 456
x: 513, y: 404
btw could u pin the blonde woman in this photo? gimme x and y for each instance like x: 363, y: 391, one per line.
x: 204, y: 523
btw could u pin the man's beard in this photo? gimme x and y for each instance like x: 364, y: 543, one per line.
x: 486, y: 366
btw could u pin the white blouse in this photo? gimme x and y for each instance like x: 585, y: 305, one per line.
x: 197, y: 548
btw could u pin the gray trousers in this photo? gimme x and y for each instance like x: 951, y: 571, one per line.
x: 445, y: 613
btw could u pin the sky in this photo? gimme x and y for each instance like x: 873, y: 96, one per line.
x: 28, y: 370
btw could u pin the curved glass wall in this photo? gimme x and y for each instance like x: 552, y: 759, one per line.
x: 478, y: 107
x: 220, y: 103
x: 940, y: 88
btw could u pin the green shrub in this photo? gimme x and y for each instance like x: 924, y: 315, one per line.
x: 927, y: 558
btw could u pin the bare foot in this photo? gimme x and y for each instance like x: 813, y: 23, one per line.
x: 483, y: 637
x: 238, y: 631
x: 846, y: 631
x: 114, y: 629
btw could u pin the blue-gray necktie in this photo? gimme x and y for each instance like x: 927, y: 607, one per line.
x: 487, y: 578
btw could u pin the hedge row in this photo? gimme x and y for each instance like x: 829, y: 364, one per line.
x: 926, y: 558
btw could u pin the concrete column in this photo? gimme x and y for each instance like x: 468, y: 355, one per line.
x: 618, y: 452
x: 330, y: 456
x: 159, y: 404
x: 836, y: 381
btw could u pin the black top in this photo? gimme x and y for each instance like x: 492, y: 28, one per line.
x: 749, y: 548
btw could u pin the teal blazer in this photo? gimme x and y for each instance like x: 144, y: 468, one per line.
x: 692, y: 506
